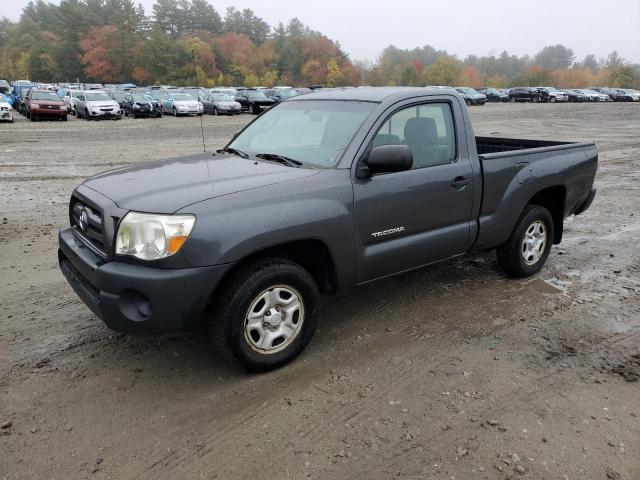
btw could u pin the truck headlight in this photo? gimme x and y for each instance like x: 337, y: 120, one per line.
x: 151, y: 237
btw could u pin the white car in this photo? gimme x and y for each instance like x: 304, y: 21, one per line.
x: 596, y: 96
x: 181, y: 104
x: 96, y: 104
x: 6, y: 112
x: 555, y: 95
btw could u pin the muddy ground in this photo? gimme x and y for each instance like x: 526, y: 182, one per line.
x: 451, y: 372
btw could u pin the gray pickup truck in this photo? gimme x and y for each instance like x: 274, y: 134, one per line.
x: 321, y: 193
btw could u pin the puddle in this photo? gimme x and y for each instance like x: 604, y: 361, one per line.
x: 540, y: 286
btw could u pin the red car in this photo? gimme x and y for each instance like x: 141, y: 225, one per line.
x: 44, y: 104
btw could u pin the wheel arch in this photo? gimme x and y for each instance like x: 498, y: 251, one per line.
x: 311, y: 254
x: 553, y: 199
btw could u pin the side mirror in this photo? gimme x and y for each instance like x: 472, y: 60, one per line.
x: 386, y: 159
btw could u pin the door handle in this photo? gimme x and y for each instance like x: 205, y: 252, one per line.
x: 459, y: 183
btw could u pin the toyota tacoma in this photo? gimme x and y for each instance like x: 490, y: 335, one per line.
x: 319, y: 194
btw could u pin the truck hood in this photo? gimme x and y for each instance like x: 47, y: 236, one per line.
x: 167, y: 186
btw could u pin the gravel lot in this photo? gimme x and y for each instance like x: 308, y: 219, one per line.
x: 453, y: 371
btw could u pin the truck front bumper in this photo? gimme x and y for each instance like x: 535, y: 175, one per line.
x: 133, y: 298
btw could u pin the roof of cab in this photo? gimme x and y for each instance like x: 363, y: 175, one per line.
x: 371, y: 94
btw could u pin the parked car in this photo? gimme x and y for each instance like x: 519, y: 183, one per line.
x: 595, y: 96
x: 5, y: 88
x: 576, y: 95
x: 119, y: 96
x: 19, y: 94
x: 552, y: 95
x: 6, y: 112
x: 96, y: 104
x: 197, y: 93
x: 322, y: 193
x: 524, y: 94
x: 141, y: 105
x: 280, y: 94
x: 181, y: 104
x: 634, y: 94
x: 220, y: 104
x: 615, y: 94
x: 224, y: 91
x: 254, y: 101
x: 494, y: 95
x: 471, y: 96
x: 69, y: 100
x: 40, y: 104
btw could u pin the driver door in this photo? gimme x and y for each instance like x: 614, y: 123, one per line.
x: 407, y: 219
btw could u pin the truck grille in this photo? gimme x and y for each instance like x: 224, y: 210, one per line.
x: 89, y: 228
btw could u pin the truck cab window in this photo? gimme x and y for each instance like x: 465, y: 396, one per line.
x: 427, y: 129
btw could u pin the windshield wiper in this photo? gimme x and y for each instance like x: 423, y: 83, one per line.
x: 274, y: 157
x: 234, y: 151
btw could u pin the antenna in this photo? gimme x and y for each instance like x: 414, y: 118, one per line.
x: 195, y: 75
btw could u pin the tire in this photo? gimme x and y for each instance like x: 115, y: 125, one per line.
x: 134, y: 116
x: 175, y: 112
x: 253, y: 109
x: 86, y: 114
x: 512, y: 99
x: 519, y: 258
x: 64, y: 119
x: 32, y: 117
x: 215, y: 111
x: 28, y: 115
x: 239, y: 344
x: 552, y: 99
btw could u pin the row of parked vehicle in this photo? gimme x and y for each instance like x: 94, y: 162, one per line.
x: 94, y: 101
x: 547, y: 95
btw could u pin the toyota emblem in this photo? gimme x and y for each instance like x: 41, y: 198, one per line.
x: 83, y: 221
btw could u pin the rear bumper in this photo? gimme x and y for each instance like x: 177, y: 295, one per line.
x: 133, y: 298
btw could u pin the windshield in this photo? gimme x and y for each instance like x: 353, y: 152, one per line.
x: 183, y: 97
x: 222, y: 98
x: 142, y: 98
x: 591, y: 92
x: 45, y: 96
x: 97, y: 97
x: 118, y: 95
x: 315, y: 132
x: 286, y: 93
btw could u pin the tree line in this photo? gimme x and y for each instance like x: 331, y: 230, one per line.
x: 114, y: 41
x: 553, y: 65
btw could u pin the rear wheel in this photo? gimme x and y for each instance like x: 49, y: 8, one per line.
x: 527, y: 249
x: 265, y: 315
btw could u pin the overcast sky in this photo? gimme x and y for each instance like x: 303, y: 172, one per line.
x: 364, y: 28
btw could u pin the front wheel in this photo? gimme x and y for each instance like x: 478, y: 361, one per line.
x: 175, y: 112
x: 265, y: 315
x: 527, y: 249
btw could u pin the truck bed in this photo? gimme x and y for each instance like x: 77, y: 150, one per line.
x: 491, y: 145
x: 515, y: 171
